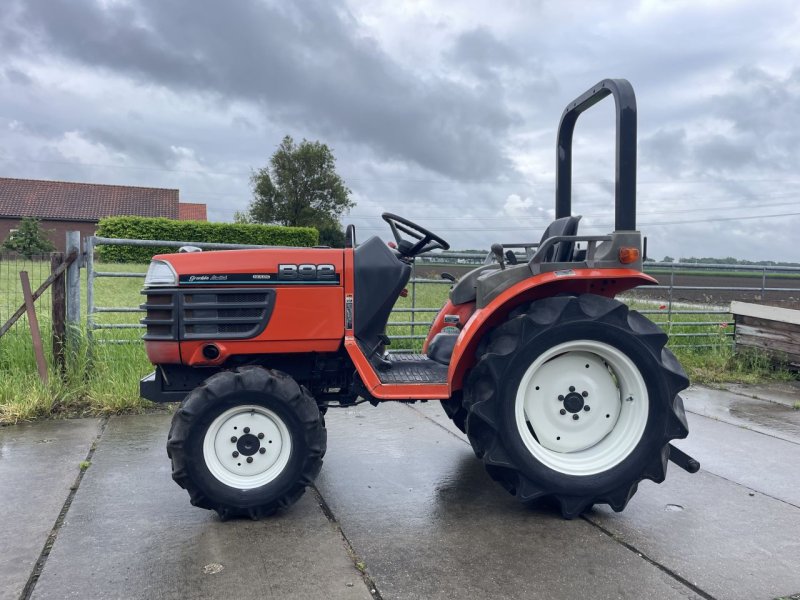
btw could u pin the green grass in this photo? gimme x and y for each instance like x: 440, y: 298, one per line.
x: 105, y: 381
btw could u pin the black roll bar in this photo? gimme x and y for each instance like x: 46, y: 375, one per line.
x: 625, y: 186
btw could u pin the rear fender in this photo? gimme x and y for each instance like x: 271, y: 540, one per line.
x: 458, y: 313
x: 604, y: 282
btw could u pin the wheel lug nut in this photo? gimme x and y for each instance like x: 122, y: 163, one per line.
x: 249, y: 459
x: 262, y: 450
x: 586, y: 407
x: 235, y: 454
x: 233, y: 439
x: 562, y: 411
x: 247, y: 430
x: 261, y: 436
x: 575, y: 417
x: 585, y: 394
x: 561, y: 398
x: 572, y: 388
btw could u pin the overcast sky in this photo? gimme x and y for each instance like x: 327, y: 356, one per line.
x: 444, y: 112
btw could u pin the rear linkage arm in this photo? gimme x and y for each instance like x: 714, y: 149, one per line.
x: 683, y: 460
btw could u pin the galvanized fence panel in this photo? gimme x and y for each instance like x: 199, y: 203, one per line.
x: 38, y: 268
x: 125, y: 327
x: 695, y: 316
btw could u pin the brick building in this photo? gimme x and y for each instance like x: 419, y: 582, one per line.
x: 63, y: 206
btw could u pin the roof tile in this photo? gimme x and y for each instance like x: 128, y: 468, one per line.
x: 69, y: 201
x: 192, y: 211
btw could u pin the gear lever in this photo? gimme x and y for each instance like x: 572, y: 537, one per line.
x: 497, y: 250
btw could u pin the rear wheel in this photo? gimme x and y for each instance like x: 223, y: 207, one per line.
x: 247, y: 442
x: 574, y: 400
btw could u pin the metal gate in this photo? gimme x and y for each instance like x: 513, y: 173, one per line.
x: 675, y: 306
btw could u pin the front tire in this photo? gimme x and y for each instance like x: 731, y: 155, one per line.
x: 246, y: 443
x: 574, y: 400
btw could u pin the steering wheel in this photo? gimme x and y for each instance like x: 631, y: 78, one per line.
x: 424, y: 240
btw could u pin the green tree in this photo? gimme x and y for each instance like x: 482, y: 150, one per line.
x: 300, y: 187
x: 28, y: 239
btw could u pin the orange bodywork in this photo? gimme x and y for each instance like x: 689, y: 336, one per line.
x: 394, y: 391
x: 310, y: 318
x: 306, y: 318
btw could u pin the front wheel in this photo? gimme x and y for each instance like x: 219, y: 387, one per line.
x: 575, y: 400
x: 247, y: 442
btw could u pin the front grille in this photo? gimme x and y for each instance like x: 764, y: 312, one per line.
x: 240, y: 298
x: 187, y: 314
x: 159, y: 322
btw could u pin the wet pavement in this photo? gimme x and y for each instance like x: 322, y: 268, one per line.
x: 402, y: 498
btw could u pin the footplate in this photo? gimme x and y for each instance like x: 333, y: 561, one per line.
x: 413, y: 368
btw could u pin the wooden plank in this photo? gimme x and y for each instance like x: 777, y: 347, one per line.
x: 58, y: 294
x: 777, y: 339
x: 21, y: 310
x: 765, y: 343
x: 768, y: 324
x: 38, y: 349
x: 762, y: 311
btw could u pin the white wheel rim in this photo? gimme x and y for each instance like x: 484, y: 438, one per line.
x: 582, y: 373
x: 241, y: 433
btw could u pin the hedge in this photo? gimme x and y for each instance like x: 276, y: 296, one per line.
x: 140, y: 228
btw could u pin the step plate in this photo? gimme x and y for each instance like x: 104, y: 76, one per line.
x: 413, y: 368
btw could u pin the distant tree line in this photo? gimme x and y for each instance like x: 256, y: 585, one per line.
x: 705, y: 260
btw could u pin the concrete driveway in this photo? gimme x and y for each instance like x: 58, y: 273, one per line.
x: 402, y: 509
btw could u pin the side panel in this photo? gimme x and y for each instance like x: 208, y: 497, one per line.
x: 303, y: 320
x: 308, y: 312
x: 606, y: 282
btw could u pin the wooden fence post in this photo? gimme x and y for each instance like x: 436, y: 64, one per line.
x: 38, y: 349
x: 59, y: 308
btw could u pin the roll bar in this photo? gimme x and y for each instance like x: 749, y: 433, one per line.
x: 625, y: 186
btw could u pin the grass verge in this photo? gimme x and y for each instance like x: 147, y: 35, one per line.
x: 105, y: 382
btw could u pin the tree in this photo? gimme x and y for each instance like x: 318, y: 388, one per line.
x: 300, y: 187
x: 28, y: 239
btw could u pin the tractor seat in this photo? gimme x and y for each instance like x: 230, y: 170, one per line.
x: 560, y: 251
x: 492, y: 280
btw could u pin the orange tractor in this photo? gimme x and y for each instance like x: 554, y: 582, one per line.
x: 565, y: 394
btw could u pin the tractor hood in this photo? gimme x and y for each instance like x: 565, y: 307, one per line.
x: 264, y: 267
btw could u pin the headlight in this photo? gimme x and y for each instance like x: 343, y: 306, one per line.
x: 160, y: 273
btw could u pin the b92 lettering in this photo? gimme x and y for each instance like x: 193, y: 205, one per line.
x: 306, y: 272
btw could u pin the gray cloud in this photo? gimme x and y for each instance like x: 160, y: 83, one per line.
x: 134, y: 146
x: 310, y: 65
x: 755, y: 130
x: 482, y: 53
x: 665, y: 149
x: 17, y: 77
x: 438, y: 111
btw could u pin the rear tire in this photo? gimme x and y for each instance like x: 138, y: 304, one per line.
x: 526, y: 402
x: 246, y: 443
